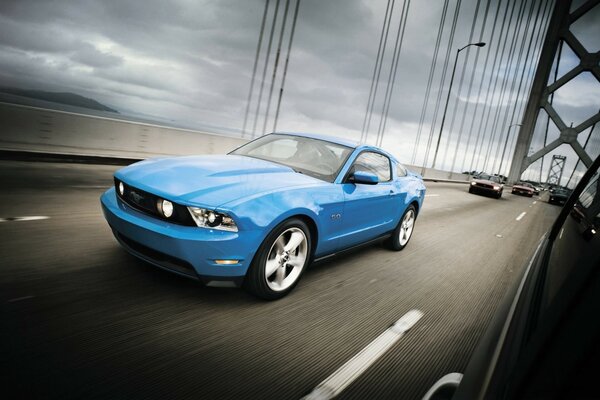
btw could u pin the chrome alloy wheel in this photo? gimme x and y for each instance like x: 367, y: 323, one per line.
x: 286, y: 259
x: 406, y: 227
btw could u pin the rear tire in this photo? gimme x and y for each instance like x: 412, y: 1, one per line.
x: 403, y: 232
x: 280, y: 260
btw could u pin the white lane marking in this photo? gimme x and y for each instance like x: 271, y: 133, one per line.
x: 20, y: 298
x: 352, y: 369
x: 535, y: 202
x: 520, y: 217
x: 27, y: 218
x: 432, y: 195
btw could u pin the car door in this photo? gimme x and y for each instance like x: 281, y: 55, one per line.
x: 369, y: 210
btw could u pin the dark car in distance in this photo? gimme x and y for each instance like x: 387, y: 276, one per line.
x: 559, y: 196
x: 490, y: 185
x: 543, y: 341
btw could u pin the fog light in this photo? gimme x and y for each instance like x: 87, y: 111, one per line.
x: 121, y: 188
x: 166, y: 208
x: 227, y: 262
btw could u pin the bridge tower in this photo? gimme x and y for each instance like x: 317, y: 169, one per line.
x: 541, y: 91
x: 556, y: 170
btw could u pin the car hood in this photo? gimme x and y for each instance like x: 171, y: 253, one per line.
x: 211, y: 180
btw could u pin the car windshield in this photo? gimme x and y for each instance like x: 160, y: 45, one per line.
x: 317, y: 158
x: 489, y: 178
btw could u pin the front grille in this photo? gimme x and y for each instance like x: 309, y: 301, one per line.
x: 147, y: 203
x: 162, y: 259
x: 485, y: 186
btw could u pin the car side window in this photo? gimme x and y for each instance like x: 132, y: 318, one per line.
x: 577, y: 242
x: 400, y: 170
x: 374, y: 163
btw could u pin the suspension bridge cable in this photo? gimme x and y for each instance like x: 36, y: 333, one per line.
x: 511, y: 62
x: 460, y: 85
x: 264, y: 73
x: 430, y: 81
x: 444, y: 71
x: 496, y: 103
x: 489, y: 87
x: 480, y: 89
x: 385, y: 18
x: 285, y: 68
x: 258, y: 46
x: 394, y: 68
x: 529, y: 31
x: 277, y: 55
x: 533, y: 64
x: 387, y: 31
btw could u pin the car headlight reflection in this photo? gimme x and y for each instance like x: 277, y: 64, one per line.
x: 121, y: 188
x: 165, y: 207
x: 212, y: 219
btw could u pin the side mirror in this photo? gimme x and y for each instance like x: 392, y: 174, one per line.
x: 364, y: 177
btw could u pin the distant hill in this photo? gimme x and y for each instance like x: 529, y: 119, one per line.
x: 67, y: 98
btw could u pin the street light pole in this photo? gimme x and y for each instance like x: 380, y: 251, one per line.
x: 505, y: 144
x: 437, y: 147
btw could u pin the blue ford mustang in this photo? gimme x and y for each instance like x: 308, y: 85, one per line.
x: 259, y: 215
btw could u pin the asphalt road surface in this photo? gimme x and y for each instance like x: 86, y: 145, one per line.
x: 81, y: 318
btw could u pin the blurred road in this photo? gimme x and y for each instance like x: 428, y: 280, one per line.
x: 81, y: 318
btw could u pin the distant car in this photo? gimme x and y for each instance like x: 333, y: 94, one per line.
x: 487, y: 184
x: 559, y: 196
x: 542, y: 342
x: 259, y: 215
x: 523, y: 188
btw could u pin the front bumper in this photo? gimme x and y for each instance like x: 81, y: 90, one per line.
x: 485, y: 190
x: 185, y: 250
x: 522, y: 192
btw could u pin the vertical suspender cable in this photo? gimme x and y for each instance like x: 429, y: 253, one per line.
x: 264, y: 73
x: 285, y: 12
x: 444, y: 71
x: 532, y: 65
x: 260, y: 37
x: 385, y: 18
x: 525, y: 67
x: 376, y: 85
x: 480, y: 89
x: 429, y: 82
x: 494, y: 103
x: 477, y: 149
x: 503, y: 90
x: 393, y: 69
x: 285, y: 68
x: 460, y: 85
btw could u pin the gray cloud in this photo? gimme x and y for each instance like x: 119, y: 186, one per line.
x: 191, y: 62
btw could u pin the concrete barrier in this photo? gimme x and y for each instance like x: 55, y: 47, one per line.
x: 40, y: 130
x: 25, y: 128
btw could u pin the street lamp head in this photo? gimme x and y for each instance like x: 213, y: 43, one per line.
x: 480, y: 44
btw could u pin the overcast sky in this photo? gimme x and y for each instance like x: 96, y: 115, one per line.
x: 190, y: 62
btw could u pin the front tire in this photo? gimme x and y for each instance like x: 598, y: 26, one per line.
x: 403, y: 231
x: 280, y: 260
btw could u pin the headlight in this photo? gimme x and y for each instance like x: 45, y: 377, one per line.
x: 496, y: 187
x: 165, y: 207
x: 473, y: 183
x: 121, y: 188
x: 212, y: 219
